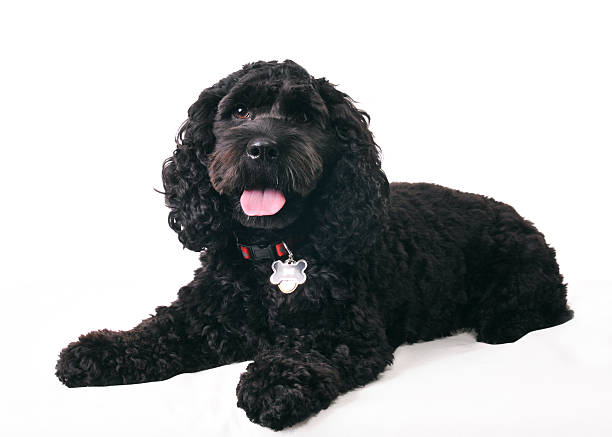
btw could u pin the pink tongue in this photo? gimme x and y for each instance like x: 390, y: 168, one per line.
x: 262, y: 202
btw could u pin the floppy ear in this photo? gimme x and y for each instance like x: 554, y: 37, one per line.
x: 196, y: 211
x: 353, y: 197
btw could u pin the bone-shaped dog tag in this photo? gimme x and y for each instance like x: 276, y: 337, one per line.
x: 288, y: 274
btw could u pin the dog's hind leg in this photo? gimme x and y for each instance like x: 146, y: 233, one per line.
x: 510, y: 325
x: 521, y: 289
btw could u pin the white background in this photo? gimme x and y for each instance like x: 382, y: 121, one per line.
x: 508, y: 99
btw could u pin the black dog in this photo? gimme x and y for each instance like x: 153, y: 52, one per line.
x: 274, y: 168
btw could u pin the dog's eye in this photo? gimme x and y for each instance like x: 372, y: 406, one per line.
x: 241, y: 112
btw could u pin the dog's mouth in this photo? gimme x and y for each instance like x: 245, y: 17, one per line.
x: 262, y: 202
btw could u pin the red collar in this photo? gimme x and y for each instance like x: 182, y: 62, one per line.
x: 258, y: 252
x: 276, y: 250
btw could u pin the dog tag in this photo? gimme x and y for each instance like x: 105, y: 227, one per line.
x: 288, y: 274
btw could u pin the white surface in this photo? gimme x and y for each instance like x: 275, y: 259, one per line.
x: 508, y: 99
x: 551, y: 382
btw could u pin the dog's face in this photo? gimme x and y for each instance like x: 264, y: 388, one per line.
x: 268, y: 145
x: 272, y: 143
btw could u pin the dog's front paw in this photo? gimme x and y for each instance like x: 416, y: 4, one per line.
x: 90, y: 361
x: 278, y: 392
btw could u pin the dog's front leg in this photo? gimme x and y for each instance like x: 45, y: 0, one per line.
x: 177, y: 339
x: 307, y: 371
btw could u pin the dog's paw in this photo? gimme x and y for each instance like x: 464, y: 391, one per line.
x: 89, y: 361
x: 278, y: 392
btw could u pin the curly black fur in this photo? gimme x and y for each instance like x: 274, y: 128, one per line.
x: 386, y: 264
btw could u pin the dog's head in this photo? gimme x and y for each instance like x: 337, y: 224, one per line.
x: 270, y: 145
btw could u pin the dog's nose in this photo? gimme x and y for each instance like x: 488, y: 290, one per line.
x: 261, y: 148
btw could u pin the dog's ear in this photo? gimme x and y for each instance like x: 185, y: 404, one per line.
x: 353, y: 197
x: 195, y: 207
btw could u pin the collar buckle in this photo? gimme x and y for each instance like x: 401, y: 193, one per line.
x: 259, y: 252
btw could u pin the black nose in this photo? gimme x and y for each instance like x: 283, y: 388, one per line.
x: 261, y: 148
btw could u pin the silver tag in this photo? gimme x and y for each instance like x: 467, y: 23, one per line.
x: 288, y: 274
